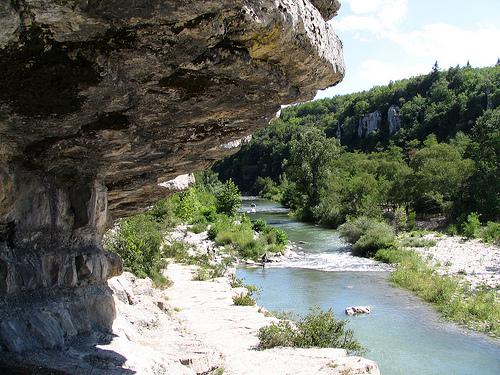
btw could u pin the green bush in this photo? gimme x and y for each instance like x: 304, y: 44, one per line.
x: 244, y: 300
x: 479, y: 309
x: 176, y: 250
x: 164, y: 212
x: 367, y: 235
x: 411, y: 224
x: 417, y: 242
x: 235, y: 282
x: 137, y: 241
x: 491, y: 233
x: 471, y: 228
x: 352, y: 230
x: 209, y: 271
x: 281, y: 236
x: 452, y: 230
x: 198, y: 228
x: 259, y: 225
x: 280, y: 334
x: 189, y: 206
x: 316, y: 329
x: 228, y: 199
x: 379, y: 237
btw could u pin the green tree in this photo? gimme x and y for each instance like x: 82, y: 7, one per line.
x: 483, y: 193
x: 228, y: 199
x: 311, y: 154
x: 440, y: 172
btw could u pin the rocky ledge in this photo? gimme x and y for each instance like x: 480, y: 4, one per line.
x: 191, y: 328
x: 103, y: 104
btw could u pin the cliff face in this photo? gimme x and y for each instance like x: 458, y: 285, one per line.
x: 102, y: 103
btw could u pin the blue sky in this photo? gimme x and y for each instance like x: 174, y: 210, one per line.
x: 392, y: 39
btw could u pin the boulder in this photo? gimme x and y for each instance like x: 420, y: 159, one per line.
x: 355, y: 310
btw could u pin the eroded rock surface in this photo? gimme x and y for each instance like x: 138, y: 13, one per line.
x: 102, y: 103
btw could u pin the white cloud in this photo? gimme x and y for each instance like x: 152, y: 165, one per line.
x: 451, y: 45
x: 364, y: 6
x: 381, y: 73
x: 374, y: 16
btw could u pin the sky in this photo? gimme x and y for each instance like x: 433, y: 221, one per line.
x: 388, y: 40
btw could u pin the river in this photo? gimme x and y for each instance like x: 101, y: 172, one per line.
x: 403, y: 334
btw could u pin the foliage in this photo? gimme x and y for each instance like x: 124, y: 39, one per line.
x: 259, y: 225
x: 228, y: 199
x: 443, y: 159
x: 239, y: 235
x: 205, y: 272
x: 138, y: 240
x: 412, y: 221
x: 318, y: 328
x: 439, y: 174
x: 367, y: 235
x: 417, y: 242
x: 491, y: 233
x: 277, y: 334
x: 471, y: 228
x: 243, y: 300
x: 198, y: 228
x: 478, y: 309
x: 235, y: 282
x: 176, y: 250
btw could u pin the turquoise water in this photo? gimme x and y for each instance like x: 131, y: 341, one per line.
x: 403, y: 334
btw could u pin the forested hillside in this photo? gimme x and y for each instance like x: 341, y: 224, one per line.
x: 428, y: 144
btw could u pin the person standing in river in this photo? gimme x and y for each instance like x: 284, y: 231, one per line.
x: 263, y: 259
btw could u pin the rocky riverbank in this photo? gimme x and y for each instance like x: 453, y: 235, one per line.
x: 192, y: 327
x: 476, y: 261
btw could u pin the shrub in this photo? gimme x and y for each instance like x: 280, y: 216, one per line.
x: 137, y: 241
x: 259, y: 225
x: 417, y: 242
x: 202, y: 274
x: 491, y: 233
x: 452, y: 230
x: 235, y: 282
x: 281, y: 237
x: 367, y: 235
x: 277, y: 334
x: 400, y: 219
x: 479, y: 309
x: 176, y: 250
x: 208, y: 271
x: 471, y: 228
x: 189, y: 206
x: 198, y: 228
x: 373, y: 239
x: 163, y: 212
x: 411, y: 224
x: 243, y: 300
x: 316, y: 329
x: 228, y: 199
x: 352, y: 230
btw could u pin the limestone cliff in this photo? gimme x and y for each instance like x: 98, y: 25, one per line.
x: 102, y: 102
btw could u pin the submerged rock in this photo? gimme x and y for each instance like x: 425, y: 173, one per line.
x: 355, y: 310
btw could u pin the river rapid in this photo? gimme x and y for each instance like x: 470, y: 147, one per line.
x: 403, y: 334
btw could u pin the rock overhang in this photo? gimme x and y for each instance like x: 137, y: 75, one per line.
x: 102, y: 102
